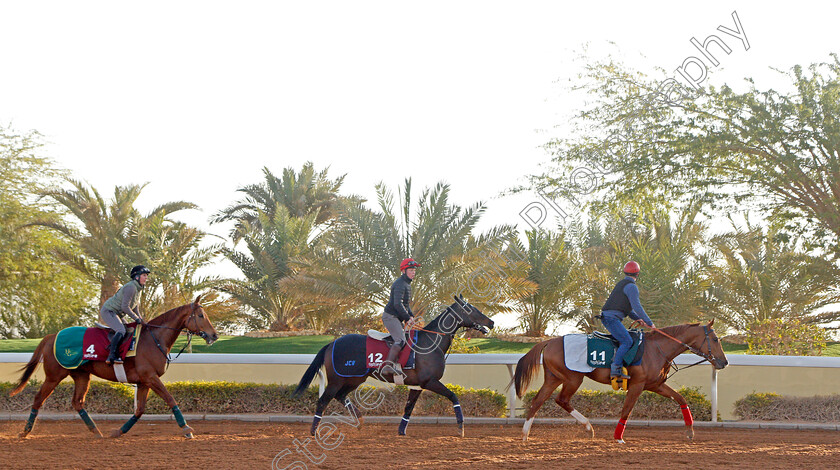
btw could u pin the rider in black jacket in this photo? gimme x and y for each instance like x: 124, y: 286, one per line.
x: 398, y: 310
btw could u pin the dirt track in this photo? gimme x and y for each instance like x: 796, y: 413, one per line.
x: 218, y: 445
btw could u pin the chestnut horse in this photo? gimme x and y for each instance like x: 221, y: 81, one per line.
x: 661, y: 347
x: 153, y: 346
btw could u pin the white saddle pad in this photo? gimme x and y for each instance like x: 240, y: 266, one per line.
x: 574, y: 350
x: 382, y: 336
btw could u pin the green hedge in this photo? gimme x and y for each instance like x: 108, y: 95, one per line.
x: 773, y: 407
x: 597, y: 404
x: 234, y: 397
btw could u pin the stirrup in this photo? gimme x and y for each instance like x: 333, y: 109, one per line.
x: 619, y: 381
x: 396, y: 370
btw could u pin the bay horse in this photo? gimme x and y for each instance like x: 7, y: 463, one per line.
x: 145, y: 369
x: 661, y: 347
x: 433, y: 341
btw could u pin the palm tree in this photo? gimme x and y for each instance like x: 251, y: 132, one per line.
x: 360, y: 254
x: 273, y: 245
x: 765, y: 277
x: 674, y: 283
x: 102, y: 231
x: 301, y: 194
x: 553, y: 267
x: 176, y: 252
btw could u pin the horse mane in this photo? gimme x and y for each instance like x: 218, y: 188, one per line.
x: 167, y: 315
x: 433, y: 325
x: 677, y: 329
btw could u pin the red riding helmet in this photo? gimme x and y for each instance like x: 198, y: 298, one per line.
x: 408, y: 263
x: 631, y: 267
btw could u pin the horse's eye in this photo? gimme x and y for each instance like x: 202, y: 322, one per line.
x: 202, y: 316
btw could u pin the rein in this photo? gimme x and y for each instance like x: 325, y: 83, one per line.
x: 707, y: 357
x: 189, y: 332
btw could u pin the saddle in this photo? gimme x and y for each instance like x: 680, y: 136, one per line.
x: 386, y: 337
x: 129, y: 331
x: 634, y: 334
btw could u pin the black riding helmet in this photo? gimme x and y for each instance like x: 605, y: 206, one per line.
x: 138, y: 270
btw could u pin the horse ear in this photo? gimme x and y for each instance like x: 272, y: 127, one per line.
x: 711, y: 322
x: 198, y: 299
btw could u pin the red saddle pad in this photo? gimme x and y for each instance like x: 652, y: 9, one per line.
x: 95, y: 344
x: 376, y: 351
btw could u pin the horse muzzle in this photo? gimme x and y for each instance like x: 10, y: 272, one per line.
x: 207, y: 338
x: 481, y: 328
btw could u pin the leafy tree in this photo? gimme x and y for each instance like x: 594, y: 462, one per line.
x: 775, y: 151
x: 38, y: 294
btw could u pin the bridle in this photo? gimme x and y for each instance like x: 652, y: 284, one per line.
x: 473, y: 325
x: 707, y: 357
x: 190, y: 333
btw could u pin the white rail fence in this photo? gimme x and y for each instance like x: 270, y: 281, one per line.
x: 508, y: 360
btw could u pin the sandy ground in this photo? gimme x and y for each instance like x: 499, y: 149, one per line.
x: 219, y: 445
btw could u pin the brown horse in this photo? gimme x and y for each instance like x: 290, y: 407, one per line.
x: 661, y: 347
x: 153, y: 346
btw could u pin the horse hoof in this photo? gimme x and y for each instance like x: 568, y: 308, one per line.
x: 23, y: 435
x: 117, y: 433
x: 188, y: 432
x: 97, y: 433
x: 525, y: 438
x: 620, y: 441
x: 591, y: 431
x: 690, y: 433
x: 461, y: 429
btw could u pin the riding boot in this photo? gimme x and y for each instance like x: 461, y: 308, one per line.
x: 114, y: 355
x: 617, y: 372
x: 393, y: 358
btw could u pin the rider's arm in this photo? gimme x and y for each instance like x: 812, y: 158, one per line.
x: 129, y: 293
x: 398, y: 291
x: 632, y: 293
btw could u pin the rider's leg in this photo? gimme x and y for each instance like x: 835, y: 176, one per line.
x: 394, y: 326
x: 110, y: 319
x: 620, y: 333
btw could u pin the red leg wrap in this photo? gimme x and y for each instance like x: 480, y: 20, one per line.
x: 619, y: 429
x: 689, y: 420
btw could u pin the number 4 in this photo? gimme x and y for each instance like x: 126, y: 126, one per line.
x: 90, y: 350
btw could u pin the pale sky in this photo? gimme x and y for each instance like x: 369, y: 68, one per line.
x: 196, y: 97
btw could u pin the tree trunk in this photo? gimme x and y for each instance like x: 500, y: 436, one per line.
x: 109, y: 286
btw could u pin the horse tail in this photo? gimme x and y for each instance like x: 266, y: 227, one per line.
x: 30, y: 366
x: 311, y: 371
x: 527, y: 367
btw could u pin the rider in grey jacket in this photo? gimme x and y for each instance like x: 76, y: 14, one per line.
x: 125, y: 302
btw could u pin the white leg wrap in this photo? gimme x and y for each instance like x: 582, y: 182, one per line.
x: 526, y: 428
x: 579, y: 417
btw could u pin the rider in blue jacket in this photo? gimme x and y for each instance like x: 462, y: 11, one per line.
x: 623, y: 301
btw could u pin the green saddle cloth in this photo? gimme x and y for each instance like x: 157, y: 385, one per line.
x: 68, y: 347
x: 600, y: 351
